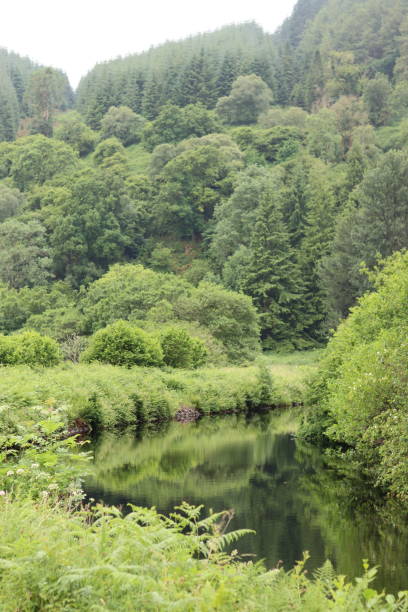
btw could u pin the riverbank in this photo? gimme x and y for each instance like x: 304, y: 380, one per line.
x: 58, y: 554
x: 108, y: 397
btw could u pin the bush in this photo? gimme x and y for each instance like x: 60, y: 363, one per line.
x: 29, y: 348
x: 123, y: 344
x: 181, y: 350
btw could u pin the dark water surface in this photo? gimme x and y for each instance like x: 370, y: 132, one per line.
x: 275, y: 484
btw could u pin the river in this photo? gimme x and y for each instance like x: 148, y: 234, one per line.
x: 274, y: 483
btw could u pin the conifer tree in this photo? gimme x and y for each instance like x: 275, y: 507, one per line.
x: 151, y: 99
x: 273, y: 279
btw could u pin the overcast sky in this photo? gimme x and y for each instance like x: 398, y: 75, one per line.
x: 77, y: 34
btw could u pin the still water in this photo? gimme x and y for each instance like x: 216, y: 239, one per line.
x: 274, y: 483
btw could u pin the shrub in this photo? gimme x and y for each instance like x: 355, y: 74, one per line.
x: 6, y: 350
x: 29, y: 348
x: 180, y: 350
x: 123, y: 344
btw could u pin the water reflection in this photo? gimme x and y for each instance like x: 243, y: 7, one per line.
x: 275, y: 484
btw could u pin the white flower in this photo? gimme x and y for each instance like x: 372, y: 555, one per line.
x: 35, y: 465
x: 53, y: 485
x: 10, y: 473
x: 44, y: 493
x: 20, y: 471
x: 2, y: 493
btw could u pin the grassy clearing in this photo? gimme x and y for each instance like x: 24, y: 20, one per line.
x: 290, y: 372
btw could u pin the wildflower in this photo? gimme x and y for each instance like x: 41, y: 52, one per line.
x: 20, y: 471
x: 35, y: 465
x: 53, y: 485
x: 10, y: 473
x: 44, y: 493
x: 2, y: 493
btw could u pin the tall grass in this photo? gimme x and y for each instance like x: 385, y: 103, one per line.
x: 110, y: 396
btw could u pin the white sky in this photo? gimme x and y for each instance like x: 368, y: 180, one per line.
x: 76, y: 34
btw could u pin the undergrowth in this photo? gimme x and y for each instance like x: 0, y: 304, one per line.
x: 52, y: 559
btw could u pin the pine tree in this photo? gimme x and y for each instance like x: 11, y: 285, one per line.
x: 318, y: 235
x: 152, y: 99
x: 273, y: 279
x: 9, y: 110
x: 227, y: 74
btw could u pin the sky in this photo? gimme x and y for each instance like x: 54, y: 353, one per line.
x: 77, y: 34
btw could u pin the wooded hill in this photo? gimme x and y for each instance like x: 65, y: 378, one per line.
x: 270, y: 165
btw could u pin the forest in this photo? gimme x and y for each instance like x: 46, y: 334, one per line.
x: 171, y: 233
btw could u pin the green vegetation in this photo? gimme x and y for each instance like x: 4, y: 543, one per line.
x: 189, y: 206
x: 110, y: 396
x: 124, y: 345
x: 112, y: 562
x: 29, y: 348
x: 360, y: 390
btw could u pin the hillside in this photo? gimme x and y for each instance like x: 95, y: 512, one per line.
x: 262, y: 164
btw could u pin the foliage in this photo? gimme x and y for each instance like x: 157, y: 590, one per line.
x: 113, y: 547
x: 11, y: 202
x: 174, y: 124
x: 29, y: 348
x: 230, y: 317
x: 71, y: 129
x: 181, y: 350
x: 122, y: 123
x: 36, y: 159
x: 46, y: 91
x: 250, y: 96
x: 123, y: 344
x: 360, y: 391
x: 112, y: 397
x: 128, y: 292
x: 24, y: 254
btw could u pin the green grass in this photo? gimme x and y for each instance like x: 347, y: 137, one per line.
x: 291, y: 371
x: 111, y: 396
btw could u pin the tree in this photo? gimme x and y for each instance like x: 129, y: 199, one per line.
x: 36, y: 159
x: 376, y: 96
x: 122, y: 123
x: 9, y: 109
x: 71, y: 129
x: 24, y: 254
x: 128, y: 292
x: 273, y: 279
x: 229, y: 316
x: 252, y: 186
x: 180, y: 350
x: 45, y: 93
x: 29, y: 348
x: 323, y: 138
x: 250, y: 96
x: 193, y: 183
x: 374, y: 224
x: 11, y: 201
x: 174, y: 124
